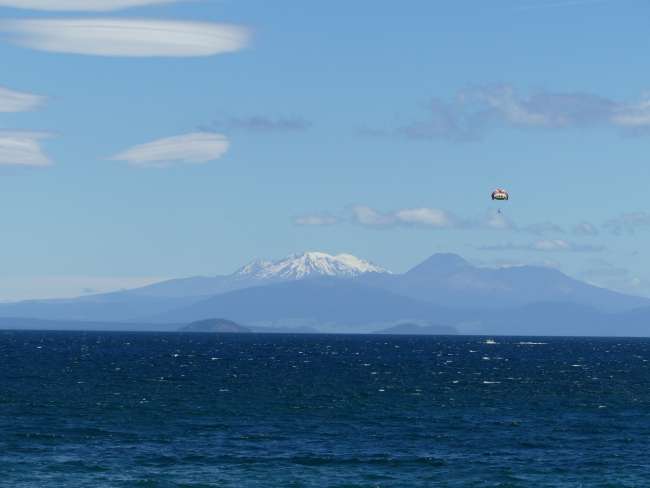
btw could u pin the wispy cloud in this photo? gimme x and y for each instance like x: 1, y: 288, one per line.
x: 556, y: 4
x: 544, y: 245
x: 199, y: 147
x: 315, y: 220
x: 433, y: 218
x: 15, y: 101
x: 80, y: 5
x: 260, y: 123
x: 635, y: 116
x: 427, y: 217
x: 542, y: 109
x: 446, y: 120
x: 473, y: 112
x: 585, y: 229
x: 126, y: 37
x: 628, y: 223
x: 510, y: 263
x: 497, y: 221
x: 415, y: 217
x: 22, y: 148
x: 543, y: 228
x: 363, y: 215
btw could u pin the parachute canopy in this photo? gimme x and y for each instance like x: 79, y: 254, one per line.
x: 500, y: 194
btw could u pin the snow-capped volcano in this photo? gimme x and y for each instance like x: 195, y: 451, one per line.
x: 309, y: 264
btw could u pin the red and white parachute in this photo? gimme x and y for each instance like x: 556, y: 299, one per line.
x: 500, y: 194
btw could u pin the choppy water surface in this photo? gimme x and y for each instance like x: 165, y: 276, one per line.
x: 168, y: 410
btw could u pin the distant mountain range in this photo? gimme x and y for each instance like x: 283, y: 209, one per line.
x: 328, y: 304
x: 318, y: 291
x: 309, y: 264
x: 450, y: 281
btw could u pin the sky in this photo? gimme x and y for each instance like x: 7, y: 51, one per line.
x: 149, y: 139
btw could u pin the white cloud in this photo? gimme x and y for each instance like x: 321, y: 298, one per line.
x: 80, y: 5
x: 542, y: 109
x: 126, y: 37
x: 543, y: 228
x: 554, y: 4
x: 420, y: 217
x: 504, y: 100
x: 552, y: 245
x: 541, y: 263
x: 585, y: 229
x: 315, y: 220
x: 367, y: 216
x: 199, y: 147
x: 261, y: 124
x: 15, y: 101
x: 628, y: 223
x: 22, y: 148
x: 473, y: 112
x: 428, y: 217
x: 436, y: 218
x: 634, y: 116
x: 498, y: 221
x: 544, y: 245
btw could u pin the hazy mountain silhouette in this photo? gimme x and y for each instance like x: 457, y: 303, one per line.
x: 119, y: 306
x: 449, y: 280
x: 345, y: 293
x: 328, y: 304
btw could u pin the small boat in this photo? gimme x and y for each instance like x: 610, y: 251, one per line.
x: 490, y: 341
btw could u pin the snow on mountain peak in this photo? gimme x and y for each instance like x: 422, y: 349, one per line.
x: 254, y: 267
x: 299, y: 266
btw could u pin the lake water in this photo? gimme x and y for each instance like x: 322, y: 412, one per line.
x: 199, y: 410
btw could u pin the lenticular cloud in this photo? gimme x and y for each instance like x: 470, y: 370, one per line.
x: 199, y: 147
x: 22, y: 149
x: 80, y: 5
x: 126, y: 37
x: 14, y: 101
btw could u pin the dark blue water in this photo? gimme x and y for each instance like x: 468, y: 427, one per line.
x: 170, y: 410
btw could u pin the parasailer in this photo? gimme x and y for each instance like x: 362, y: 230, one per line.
x: 500, y: 194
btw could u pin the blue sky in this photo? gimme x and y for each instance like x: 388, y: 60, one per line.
x: 179, y: 138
